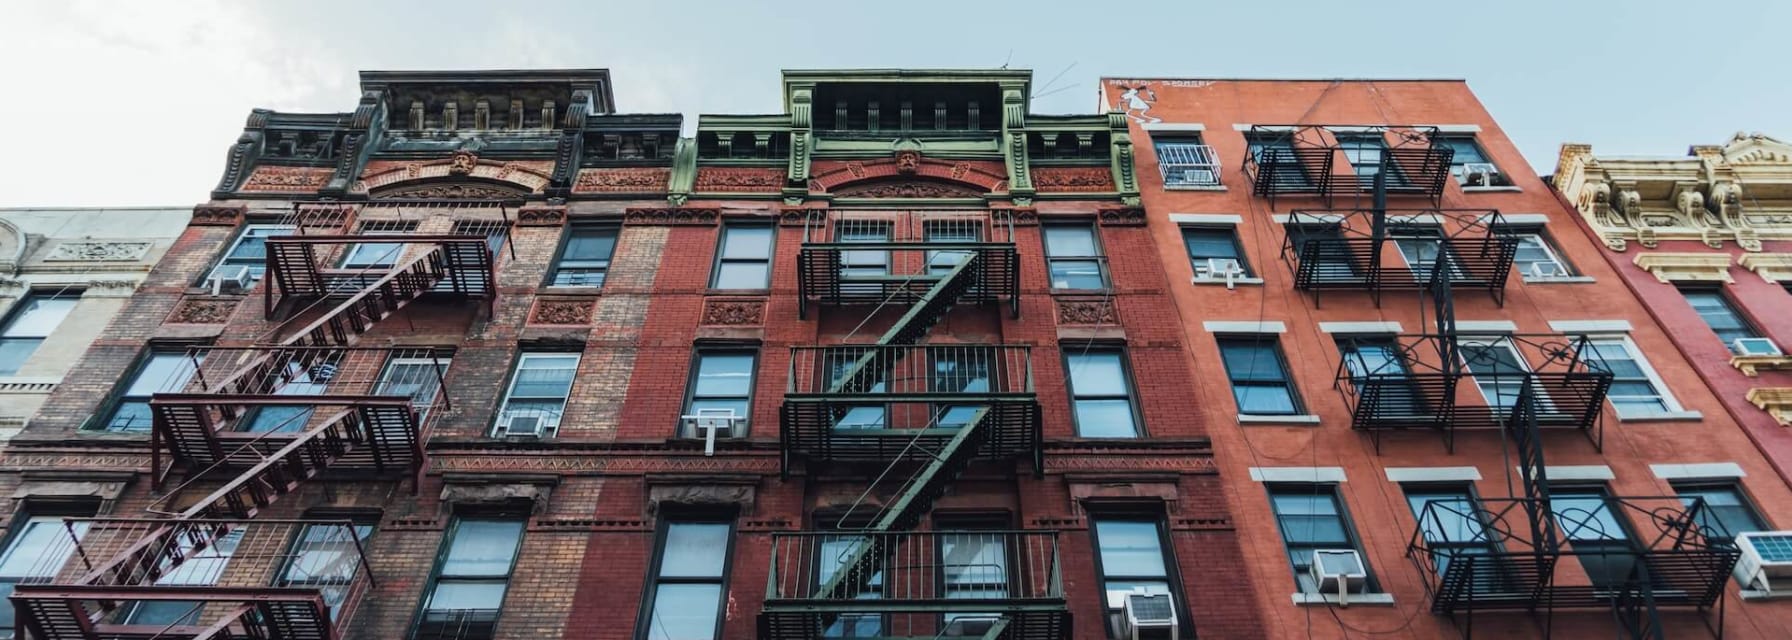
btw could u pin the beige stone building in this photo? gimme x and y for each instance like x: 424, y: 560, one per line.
x: 64, y: 275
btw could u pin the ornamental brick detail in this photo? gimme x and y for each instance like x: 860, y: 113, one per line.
x: 1087, y: 311
x: 739, y: 180
x: 731, y: 312
x: 98, y: 252
x: 622, y: 180
x: 909, y: 189
x: 541, y: 216
x: 563, y: 312
x: 1073, y: 179
x: 211, y: 216
x: 1127, y: 217
x: 1016, y: 217
x: 672, y: 217
x: 832, y: 176
x: 203, y: 310
x: 286, y: 179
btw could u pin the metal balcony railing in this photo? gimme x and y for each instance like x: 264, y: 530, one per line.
x: 1342, y: 250
x: 896, y: 257
x: 1451, y: 383
x: 1187, y: 164
x: 932, y: 584
x: 1344, y: 160
x: 120, y: 577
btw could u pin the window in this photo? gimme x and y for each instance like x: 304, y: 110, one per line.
x: 744, y: 261
x: 722, y: 384
x: 536, y: 400
x: 327, y: 557
x: 1206, y: 244
x: 418, y: 377
x: 1601, y: 541
x: 1130, y: 557
x: 33, y: 318
x: 474, y: 572
x: 250, y: 249
x: 1498, y: 370
x: 834, y: 553
x: 585, y: 259
x: 296, y: 379
x: 1367, y: 153
x: 1715, y: 308
x: 1277, y: 164
x: 1074, y: 258
x: 199, y: 567
x: 1260, y: 381
x: 863, y: 262
x: 38, y: 546
x: 1377, y: 361
x: 377, y: 255
x: 1726, y: 512
x: 1185, y: 162
x: 1101, y: 394
x: 940, y: 262
x: 1450, y: 519
x: 495, y: 232
x: 1636, y: 391
x: 1537, y: 258
x: 842, y: 364
x: 685, y: 596
x: 958, y: 370
x: 973, y: 566
x: 1464, y: 151
x: 1312, y: 518
x: 159, y: 370
x: 1420, y: 247
x: 1322, y: 246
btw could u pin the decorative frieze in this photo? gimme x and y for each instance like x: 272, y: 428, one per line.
x: 738, y: 180
x: 672, y: 217
x: 98, y: 252
x: 623, y: 180
x: 1686, y: 267
x: 1087, y: 311
x: 1772, y: 267
x: 1776, y: 401
x: 1126, y: 217
x: 733, y: 312
x: 1073, y: 179
x: 216, y: 216
x: 562, y: 311
x: 276, y: 179
x: 540, y: 216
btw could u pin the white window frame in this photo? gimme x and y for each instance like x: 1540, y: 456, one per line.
x: 549, y: 430
x: 1497, y: 342
x: 1549, y: 249
x: 1674, y: 408
x: 248, y: 230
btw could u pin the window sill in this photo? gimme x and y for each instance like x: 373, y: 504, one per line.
x: 569, y: 290
x: 1491, y: 190
x: 1222, y: 281
x: 1749, y: 595
x: 1082, y: 292
x: 737, y: 292
x: 1301, y: 419
x: 1329, y: 599
x: 1195, y: 187
x: 1666, y: 416
x: 1561, y: 280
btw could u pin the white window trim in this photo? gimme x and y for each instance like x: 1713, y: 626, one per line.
x: 1330, y: 599
x: 1371, y: 327
x: 510, y: 388
x: 1590, y: 326
x: 1433, y: 474
x: 1179, y: 127
x: 1576, y: 472
x: 1206, y: 219
x: 1675, y: 410
x: 1699, y: 471
x: 1486, y: 327
x: 1554, y: 256
x: 1309, y: 475
x: 1244, y: 326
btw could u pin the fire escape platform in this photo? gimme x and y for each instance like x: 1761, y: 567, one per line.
x: 820, y: 277
x: 1315, y: 160
x: 1339, y: 250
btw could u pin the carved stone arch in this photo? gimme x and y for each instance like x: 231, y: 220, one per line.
x: 451, y: 189
x: 13, y: 246
x: 520, y: 177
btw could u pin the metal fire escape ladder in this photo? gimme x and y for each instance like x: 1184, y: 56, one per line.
x: 868, y: 370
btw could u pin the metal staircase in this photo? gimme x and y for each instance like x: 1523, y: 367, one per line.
x: 268, y: 417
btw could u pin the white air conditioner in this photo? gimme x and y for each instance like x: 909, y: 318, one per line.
x: 1757, y: 347
x: 1148, y: 616
x: 1480, y: 174
x: 1202, y: 176
x: 1548, y: 271
x: 1228, y: 270
x: 233, y: 278
x: 534, y: 426
x: 1766, y: 561
x: 710, y: 424
x: 1339, y: 571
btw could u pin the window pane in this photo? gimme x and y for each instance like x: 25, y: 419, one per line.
x: 162, y: 372
x: 694, y: 551
x: 1263, y: 399
x: 1129, y: 548
x: 131, y: 416
x: 1209, y: 243
x: 1255, y: 361
x: 482, y: 548
x: 44, y: 543
x: 1584, y: 516
x: 1310, y: 518
x: 741, y: 275
x: 37, y: 316
x: 1097, y: 374
x: 1451, y: 517
x: 14, y: 352
x: 590, y: 244
x: 1076, y: 274
x: 724, y: 375
x: 1105, y: 419
x: 747, y: 242
x: 1069, y: 241
x: 685, y: 612
x: 457, y: 595
x: 544, y: 376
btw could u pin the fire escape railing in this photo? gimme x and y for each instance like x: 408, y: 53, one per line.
x: 1346, y: 250
x: 1332, y: 161
x: 896, y: 258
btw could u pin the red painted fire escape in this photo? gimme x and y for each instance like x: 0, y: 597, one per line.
x: 338, y: 410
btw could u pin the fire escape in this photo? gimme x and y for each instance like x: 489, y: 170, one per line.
x: 1631, y: 556
x: 914, y: 415
x: 253, y: 423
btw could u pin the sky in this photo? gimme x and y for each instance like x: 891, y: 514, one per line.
x: 135, y: 102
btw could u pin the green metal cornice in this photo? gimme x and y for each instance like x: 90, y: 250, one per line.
x: 1014, y: 145
x: 1126, y: 179
x: 796, y: 179
x: 795, y: 79
x: 684, y: 171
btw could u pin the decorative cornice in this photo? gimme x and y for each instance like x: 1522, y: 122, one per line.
x: 733, y: 311
x: 703, y: 217
x: 1686, y: 267
x: 738, y: 180
x: 1772, y: 267
x: 217, y: 216
x: 541, y: 216
x: 1776, y: 401
x: 1751, y: 365
x: 98, y: 252
x: 1073, y: 179
x: 623, y: 180
x: 278, y: 179
x: 574, y: 311
x: 1126, y: 217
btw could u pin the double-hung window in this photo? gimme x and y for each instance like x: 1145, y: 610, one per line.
x: 721, y: 390
x: 32, y: 320
x: 1498, y: 369
x: 1537, y: 258
x: 327, y: 557
x: 585, y: 259
x: 36, y: 550
x: 467, y: 592
x: 1724, y: 512
x: 296, y: 379
x: 1464, y: 151
x: 949, y: 231
x: 1074, y: 258
x: 744, y: 260
x: 1721, y: 315
x: 1367, y: 153
x: 685, y: 597
x: 963, y: 370
x: 1449, y: 517
x: 536, y: 400
x: 1323, y: 252
x: 198, y: 567
x: 377, y: 255
x: 973, y: 566
x: 1260, y: 380
x: 1636, y: 392
x: 418, y: 377
x: 1101, y: 394
x: 1599, y: 538
x: 863, y: 262
x: 1378, y: 372
x: 1131, y: 559
x: 161, y: 370
x: 1275, y: 160
x: 250, y: 250
x: 836, y: 552
x: 1213, y: 251
x: 1312, y: 519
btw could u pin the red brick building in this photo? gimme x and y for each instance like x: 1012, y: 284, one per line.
x: 483, y: 358
x: 1438, y: 409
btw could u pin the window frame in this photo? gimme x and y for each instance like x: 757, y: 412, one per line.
x: 1353, y: 540
x: 1298, y: 405
x: 566, y: 238
x: 33, y: 509
x: 516, y: 367
x: 1670, y: 405
x: 1231, y: 232
x: 447, y: 544
x: 1544, y: 242
x: 384, y: 261
x: 1456, y: 163
x: 120, y: 393
x: 1748, y: 325
x: 1153, y: 514
x: 690, y: 386
x: 1604, y: 493
x: 1467, y: 491
x: 258, y: 268
x: 721, y: 258
x: 295, y: 550
x: 20, y: 309
x: 1099, y: 257
x: 1757, y: 517
x: 649, y: 592
x: 1126, y: 378
x: 1184, y: 138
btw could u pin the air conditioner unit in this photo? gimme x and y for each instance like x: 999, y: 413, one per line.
x: 232, y: 278
x: 1339, y: 571
x: 1218, y: 269
x: 1757, y: 347
x: 1148, y: 616
x: 969, y: 625
x: 1202, y: 176
x: 525, y: 426
x: 710, y: 424
x: 1766, y: 561
x: 1480, y: 174
x: 1548, y: 271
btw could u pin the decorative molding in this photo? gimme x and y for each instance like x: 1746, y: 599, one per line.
x: 276, y: 179
x: 1752, y: 366
x: 217, y: 216
x: 86, y: 460
x: 733, y: 312
x: 541, y: 216
x: 577, y: 311
x: 1772, y: 267
x: 700, y: 217
x: 617, y: 463
x: 1125, y: 217
x: 738, y: 180
x: 28, y: 386
x: 1179, y: 462
x: 1686, y: 267
x: 974, y: 175
x: 1016, y: 217
x: 908, y: 189
x: 1776, y: 401
x: 191, y: 310
x: 452, y: 191
x: 98, y: 252
x: 1074, y: 179
x: 522, y: 176
x: 623, y: 180
x: 1087, y: 311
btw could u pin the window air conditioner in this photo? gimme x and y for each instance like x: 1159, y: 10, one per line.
x: 1220, y: 269
x: 1480, y: 174
x: 1757, y: 347
x: 1201, y: 176
x: 1339, y: 571
x: 710, y: 424
x: 523, y: 427
x: 1149, y: 617
x: 1766, y: 561
x: 231, y: 278
x: 1547, y: 271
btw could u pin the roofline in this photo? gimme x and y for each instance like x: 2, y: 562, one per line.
x: 606, y: 93
x: 187, y: 208
x: 1105, y: 79
x: 1023, y: 74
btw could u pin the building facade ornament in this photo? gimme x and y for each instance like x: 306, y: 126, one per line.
x: 98, y: 252
x: 1686, y: 267
x: 563, y: 312
x: 733, y: 312
x: 192, y: 310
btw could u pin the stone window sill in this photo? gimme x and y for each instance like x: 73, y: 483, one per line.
x: 1491, y: 190
x: 1665, y: 416
x: 1194, y: 187
x: 1304, y: 419
x: 1222, y: 281
x: 1330, y: 599
x: 1562, y: 280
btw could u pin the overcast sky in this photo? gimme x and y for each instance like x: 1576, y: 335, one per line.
x: 134, y: 102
